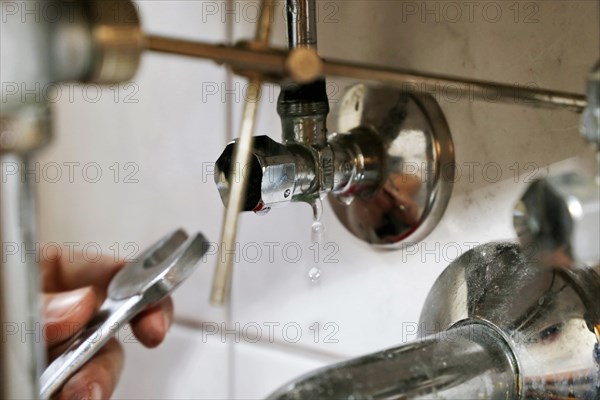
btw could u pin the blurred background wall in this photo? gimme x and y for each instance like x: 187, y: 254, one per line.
x: 142, y: 158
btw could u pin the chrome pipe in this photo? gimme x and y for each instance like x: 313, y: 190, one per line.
x: 468, y: 362
x: 96, y: 41
x: 23, y: 347
x: 495, y: 325
x: 22, y: 128
x: 303, y: 109
x: 301, y: 23
x: 272, y: 63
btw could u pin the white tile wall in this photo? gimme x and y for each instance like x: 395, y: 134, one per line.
x: 365, y: 298
x: 260, y: 370
x: 186, y: 366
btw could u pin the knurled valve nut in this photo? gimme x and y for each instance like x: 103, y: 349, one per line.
x: 326, y: 168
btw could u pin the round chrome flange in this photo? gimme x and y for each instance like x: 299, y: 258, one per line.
x: 418, y: 165
x: 546, y: 315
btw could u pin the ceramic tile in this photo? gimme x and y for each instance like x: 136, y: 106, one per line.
x: 187, y: 365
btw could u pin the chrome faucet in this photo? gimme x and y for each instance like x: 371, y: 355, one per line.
x: 495, y: 325
x: 303, y: 168
x: 389, y: 164
x: 504, y: 320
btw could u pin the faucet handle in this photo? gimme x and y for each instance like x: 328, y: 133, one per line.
x: 558, y: 218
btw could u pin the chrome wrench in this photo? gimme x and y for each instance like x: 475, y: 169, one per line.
x: 140, y: 284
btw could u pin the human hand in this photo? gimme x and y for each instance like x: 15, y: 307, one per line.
x: 73, y: 291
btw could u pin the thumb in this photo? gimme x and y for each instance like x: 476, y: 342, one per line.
x: 66, y: 313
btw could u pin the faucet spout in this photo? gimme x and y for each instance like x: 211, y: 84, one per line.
x: 495, y: 325
x: 469, y: 362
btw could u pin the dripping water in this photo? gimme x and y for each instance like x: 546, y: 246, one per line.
x: 314, y: 274
x: 316, y: 236
x: 317, y: 226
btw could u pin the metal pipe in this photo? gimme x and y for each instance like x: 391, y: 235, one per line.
x: 267, y: 61
x: 22, y: 129
x: 463, y: 88
x: 495, y: 325
x: 303, y: 108
x: 272, y: 63
x: 265, y: 24
x: 302, y: 23
x: 466, y: 362
x: 101, y: 47
x: 23, y: 347
x: 220, y: 291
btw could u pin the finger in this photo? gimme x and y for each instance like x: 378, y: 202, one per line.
x: 67, y: 313
x: 73, y: 271
x: 50, y: 267
x: 151, y: 326
x: 98, y: 378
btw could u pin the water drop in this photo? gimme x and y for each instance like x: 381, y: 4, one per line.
x: 317, y: 227
x: 316, y: 235
x: 317, y: 208
x: 314, y: 274
x: 263, y: 212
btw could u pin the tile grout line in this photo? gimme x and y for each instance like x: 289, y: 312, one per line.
x: 279, y: 345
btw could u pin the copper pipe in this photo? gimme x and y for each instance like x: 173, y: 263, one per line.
x: 272, y: 63
x: 458, y: 87
x: 260, y: 60
x: 221, y: 288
